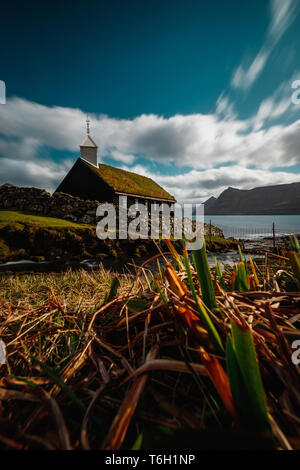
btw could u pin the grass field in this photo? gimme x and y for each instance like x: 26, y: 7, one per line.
x: 12, y: 217
x: 77, y: 289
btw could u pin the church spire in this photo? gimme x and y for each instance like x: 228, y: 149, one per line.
x: 87, y: 124
x: 88, y: 148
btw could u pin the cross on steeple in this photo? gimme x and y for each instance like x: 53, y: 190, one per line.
x: 87, y: 125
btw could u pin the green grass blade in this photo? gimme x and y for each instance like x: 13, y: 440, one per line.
x: 241, y: 282
x: 207, y: 289
x: 295, y: 263
x: 162, y: 296
x: 138, y: 443
x: 244, y: 350
x: 240, y: 253
x: 113, y: 289
x: 206, y: 320
x: 61, y: 384
x: 220, y: 274
x: 294, y: 244
x: 238, y: 389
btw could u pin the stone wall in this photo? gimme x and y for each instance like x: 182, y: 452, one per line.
x: 61, y: 205
x: 40, y: 202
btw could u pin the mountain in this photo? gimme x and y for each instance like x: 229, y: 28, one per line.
x: 279, y: 199
x: 209, y: 203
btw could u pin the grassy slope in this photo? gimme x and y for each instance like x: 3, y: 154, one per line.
x: 19, y: 234
x: 24, y: 235
x: 27, y: 236
x: 11, y: 217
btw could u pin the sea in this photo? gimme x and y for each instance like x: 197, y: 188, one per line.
x: 255, y: 226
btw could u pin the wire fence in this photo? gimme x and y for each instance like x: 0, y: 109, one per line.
x: 248, y: 232
x: 252, y: 232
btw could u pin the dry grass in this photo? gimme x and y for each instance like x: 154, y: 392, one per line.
x: 77, y: 289
x: 89, y: 367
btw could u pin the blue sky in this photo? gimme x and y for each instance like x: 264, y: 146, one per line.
x: 196, y: 94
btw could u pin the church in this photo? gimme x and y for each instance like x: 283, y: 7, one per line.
x: 90, y: 180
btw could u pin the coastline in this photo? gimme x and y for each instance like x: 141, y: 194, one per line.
x: 40, y: 239
x: 36, y: 243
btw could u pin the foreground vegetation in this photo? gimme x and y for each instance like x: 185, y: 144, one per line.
x: 185, y: 358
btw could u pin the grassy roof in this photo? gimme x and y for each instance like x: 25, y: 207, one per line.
x: 131, y: 183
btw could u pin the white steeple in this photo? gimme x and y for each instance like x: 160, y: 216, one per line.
x: 88, y: 148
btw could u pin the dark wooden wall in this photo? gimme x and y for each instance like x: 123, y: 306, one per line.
x: 83, y: 182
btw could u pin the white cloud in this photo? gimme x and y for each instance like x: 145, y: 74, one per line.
x: 200, y: 141
x: 243, y: 77
x: 197, y: 186
x: 276, y: 105
x: 32, y: 173
x: 225, y: 108
x: 122, y: 157
x: 25, y: 148
x: 197, y: 140
x: 283, y: 13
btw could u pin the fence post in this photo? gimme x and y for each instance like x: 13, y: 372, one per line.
x: 274, y: 238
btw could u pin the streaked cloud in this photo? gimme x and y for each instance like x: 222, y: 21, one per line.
x: 277, y: 105
x: 282, y: 14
